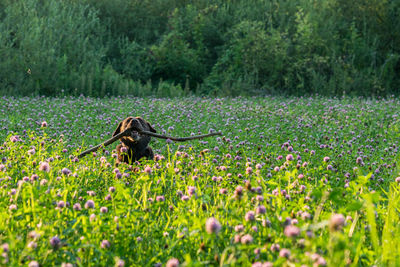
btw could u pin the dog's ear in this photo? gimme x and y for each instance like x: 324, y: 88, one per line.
x: 118, y: 130
x: 143, y: 122
x: 151, y: 128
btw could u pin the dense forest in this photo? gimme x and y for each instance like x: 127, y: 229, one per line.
x: 204, y: 47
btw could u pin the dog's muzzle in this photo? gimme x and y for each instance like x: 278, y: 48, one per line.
x: 134, y: 136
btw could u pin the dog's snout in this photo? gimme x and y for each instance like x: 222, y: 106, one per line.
x: 135, y: 126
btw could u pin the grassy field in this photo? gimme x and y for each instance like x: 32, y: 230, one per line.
x: 292, y: 182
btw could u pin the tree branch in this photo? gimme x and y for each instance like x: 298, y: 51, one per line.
x: 128, y: 131
x: 178, y: 139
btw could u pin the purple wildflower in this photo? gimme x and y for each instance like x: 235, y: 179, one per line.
x: 55, y: 241
x: 105, y: 244
x: 172, y: 262
x: 213, y: 226
x: 89, y: 204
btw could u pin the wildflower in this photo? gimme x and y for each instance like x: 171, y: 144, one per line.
x: 249, y: 170
x: 284, y: 253
x: 246, y: 239
x: 6, y: 247
x: 61, y: 204
x: 65, y: 171
x: 266, y: 223
x: 289, y: 157
x: 120, y: 263
x: 239, y: 228
x: 237, y: 238
x: 33, y: 264
x: 44, y: 166
x: 103, y: 209
x: 147, y: 170
x: 191, y: 190
x: 239, y: 190
x: 44, y: 124
x: 105, y: 244
x: 91, y: 193
x: 305, y: 215
x: 275, y: 247
x: 326, y: 159
x: 89, y: 204
x: 213, y: 226
x: 321, y: 261
x: 14, y: 138
x: 259, y: 198
x: 172, y: 263
x: 336, y: 222
x: 223, y: 191
x: 160, y: 198
x: 55, y: 241
x: 249, y: 216
x: 292, y: 231
x: 34, y: 177
x: 261, y: 209
x: 32, y: 245
x: 77, y: 207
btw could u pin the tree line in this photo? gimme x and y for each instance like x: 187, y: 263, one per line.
x: 206, y: 47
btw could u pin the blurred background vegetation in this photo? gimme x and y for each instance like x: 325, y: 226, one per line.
x: 207, y: 47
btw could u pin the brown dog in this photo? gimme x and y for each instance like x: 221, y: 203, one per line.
x: 134, y: 150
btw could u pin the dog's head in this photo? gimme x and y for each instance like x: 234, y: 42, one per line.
x: 138, y: 124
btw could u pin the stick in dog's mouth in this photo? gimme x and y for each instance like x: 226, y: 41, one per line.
x: 128, y: 132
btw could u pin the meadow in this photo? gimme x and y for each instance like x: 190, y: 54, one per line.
x: 307, y: 181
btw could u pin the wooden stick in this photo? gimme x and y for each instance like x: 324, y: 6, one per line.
x: 128, y: 131
x: 107, y: 142
x: 178, y: 139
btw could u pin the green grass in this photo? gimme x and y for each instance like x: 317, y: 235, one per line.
x: 144, y: 229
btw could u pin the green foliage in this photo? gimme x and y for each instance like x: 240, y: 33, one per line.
x: 48, y: 46
x: 253, y: 60
x: 329, y: 47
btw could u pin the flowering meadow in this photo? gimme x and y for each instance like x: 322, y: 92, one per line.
x: 306, y: 181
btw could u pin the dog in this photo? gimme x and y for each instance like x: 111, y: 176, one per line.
x: 130, y: 150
